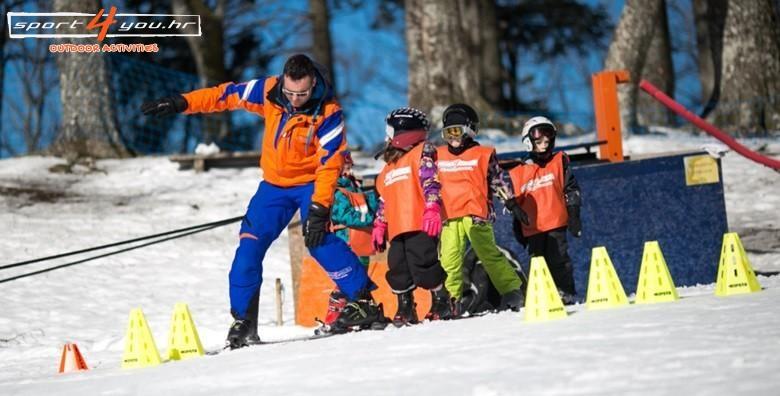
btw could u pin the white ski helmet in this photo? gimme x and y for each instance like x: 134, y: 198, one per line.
x: 536, y: 123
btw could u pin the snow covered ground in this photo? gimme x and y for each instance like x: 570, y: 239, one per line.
x: 701, y: 344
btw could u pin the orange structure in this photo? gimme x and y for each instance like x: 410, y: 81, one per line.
x: 315, y: 286
x: 607, y: 110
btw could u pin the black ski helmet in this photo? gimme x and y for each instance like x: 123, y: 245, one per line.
x: 461, y: 114
x: 406, y: 127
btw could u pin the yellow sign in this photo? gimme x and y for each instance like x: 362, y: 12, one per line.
x: 701, y: 169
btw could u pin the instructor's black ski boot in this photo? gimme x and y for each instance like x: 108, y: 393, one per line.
x: 243, y: 331
x: 407, y: 310
x: 238, y: 334
x: 363, y: 314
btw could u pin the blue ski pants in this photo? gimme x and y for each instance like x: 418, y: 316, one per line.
x: 269, y: 212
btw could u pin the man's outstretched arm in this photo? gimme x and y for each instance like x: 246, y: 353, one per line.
x: 226, y: 96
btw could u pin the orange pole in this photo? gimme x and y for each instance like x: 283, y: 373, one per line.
x: 607, y: 111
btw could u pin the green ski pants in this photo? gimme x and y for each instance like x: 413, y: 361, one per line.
x: 453, y: 249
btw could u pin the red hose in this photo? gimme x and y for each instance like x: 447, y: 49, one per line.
x: 707, y: 127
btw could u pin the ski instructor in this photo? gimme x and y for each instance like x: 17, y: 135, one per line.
x: 301, y: 160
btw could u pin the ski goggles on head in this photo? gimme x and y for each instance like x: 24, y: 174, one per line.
x: 456, y: 132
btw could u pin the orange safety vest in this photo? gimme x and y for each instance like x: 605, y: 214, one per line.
x: 359, y: 237
x: 464, y: 187
x: 539, y: 192
x: 399, y: 186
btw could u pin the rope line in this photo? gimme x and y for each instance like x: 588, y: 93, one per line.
x: 200, y: 227
x: 205, y: 228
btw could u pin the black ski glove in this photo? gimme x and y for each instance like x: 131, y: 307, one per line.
x: 316, y: 225
x: 517, y: 211
x: 517, y: 231
x: 575, y: 225
x: 165, y: 106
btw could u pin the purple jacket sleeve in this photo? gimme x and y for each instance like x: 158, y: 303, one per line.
x: 379, y: 216
x: 497, y: 181
x: 429, y: 175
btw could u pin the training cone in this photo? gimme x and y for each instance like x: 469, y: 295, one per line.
x: 140, y: 349
x: 71, y: 359
x: 604, y: 287
x: 542, y: 301
x: 183, y: 340
x: 655, y: 282
x: 735, y: 274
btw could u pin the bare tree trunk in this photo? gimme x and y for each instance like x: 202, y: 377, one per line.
x: 89, y: 126
x: 33, y: 60
x: 511, y: 73
x: 478, y: 22
x: 491, y: 73
x: 628, y: 50
x: 418, y: 78
x: 750, y: 87
x: 443, y: 69
x: 322, y: 49
x: 658, y: 69
x: 208, y: 49
x: 776, y: 5
x: 3, y: 37
x: 709, y: 16
x: 209, y: 53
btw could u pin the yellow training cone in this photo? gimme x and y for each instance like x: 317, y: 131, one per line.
x: 604, y: 287
x: 542, y: 301
x: 183, y: 340
x: 655, y: 282
x: 735, y: 274
x: 140, y: 349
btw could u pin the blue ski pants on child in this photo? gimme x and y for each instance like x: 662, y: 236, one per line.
x: 269, y: 212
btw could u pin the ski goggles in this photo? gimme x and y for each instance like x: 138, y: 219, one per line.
x: 294, y: 94
x: 456, y: 132
x: 538, y: 132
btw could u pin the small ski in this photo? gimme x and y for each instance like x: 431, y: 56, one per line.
x: 311, y: 337
x: 321, y: 332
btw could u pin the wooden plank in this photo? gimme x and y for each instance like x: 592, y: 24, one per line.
x: 239, y: 159
x: 297, y: 252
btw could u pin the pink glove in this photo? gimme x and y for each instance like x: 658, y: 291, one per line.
x: 432, y: 219
x: 378, y: 236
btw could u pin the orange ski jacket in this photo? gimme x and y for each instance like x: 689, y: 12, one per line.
x: 299, y: 145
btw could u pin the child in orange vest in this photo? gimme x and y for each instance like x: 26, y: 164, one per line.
x: 546, y: 189
x: 470, y: 175
x: 409, y: 216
